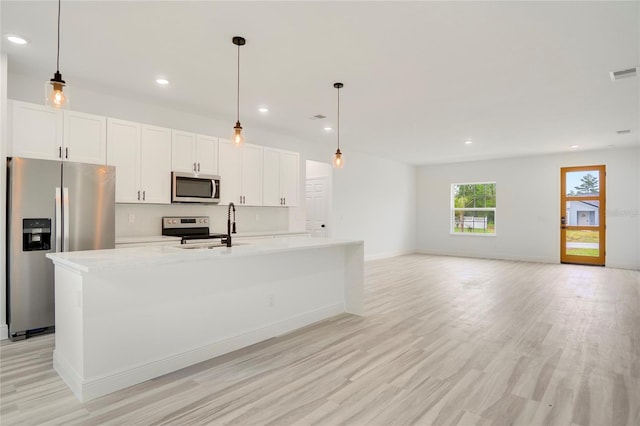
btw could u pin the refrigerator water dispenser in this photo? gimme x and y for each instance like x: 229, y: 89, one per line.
x: 36, y: 234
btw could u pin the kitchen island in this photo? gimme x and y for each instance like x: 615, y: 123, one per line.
x: 124, y: 316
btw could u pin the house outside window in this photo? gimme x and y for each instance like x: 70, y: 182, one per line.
x: 473, y: 209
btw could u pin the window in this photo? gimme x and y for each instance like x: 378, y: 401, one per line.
x: 473, y: 208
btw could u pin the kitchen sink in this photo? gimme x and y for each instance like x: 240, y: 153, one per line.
x: 207, y: 246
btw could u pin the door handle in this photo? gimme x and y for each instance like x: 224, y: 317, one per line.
x: 66, y: 153
x: 59, y: 152
x: 138, y: 195
x: 322, y: 226
x: 144, y: 195
x: 198, y: 166
x: 58, y: 219
x: 65, y: 218
x: 194, y: 167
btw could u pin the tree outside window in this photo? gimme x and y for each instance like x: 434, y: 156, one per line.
x: 473, y: 208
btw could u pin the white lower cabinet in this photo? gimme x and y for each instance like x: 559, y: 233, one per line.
x: 240, y: 170
x: 280, y: 177
x: 142, y: 157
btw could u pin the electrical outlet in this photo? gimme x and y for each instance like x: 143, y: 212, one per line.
x: 132, y: 218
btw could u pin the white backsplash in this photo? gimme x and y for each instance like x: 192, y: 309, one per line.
x: 147, y: 218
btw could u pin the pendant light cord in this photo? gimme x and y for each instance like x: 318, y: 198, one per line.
x: 338, y: 118
x: 238, y: 90
x: 58, y: 55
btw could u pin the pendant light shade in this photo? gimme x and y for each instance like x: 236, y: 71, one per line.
x: 238, y: 139
x: 56, y: 89
x: 338, y: 160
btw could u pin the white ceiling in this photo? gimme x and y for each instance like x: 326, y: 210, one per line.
x: 420, y: 78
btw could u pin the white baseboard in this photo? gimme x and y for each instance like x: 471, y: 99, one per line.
x: 4, y: 332
x: 90, y: 388
x: 388, y: 254
x: 495, y: 256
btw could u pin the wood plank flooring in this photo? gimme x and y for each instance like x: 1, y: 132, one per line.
x: 444, y: 341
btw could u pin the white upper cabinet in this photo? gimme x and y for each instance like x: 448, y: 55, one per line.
x: 207, y: 154
x: 280, y: 177
x: 271, y: 195
x: 38, y: 131
x: 183, y: 151
x: 251, y: 175
x: 240, y: 173
x: 142, y: 156
x: 289, y: 177
x: 85, y: 138
x: 229, y: 171
x: 123, y: 152
x: 193, y: 153
x: 155, y: 164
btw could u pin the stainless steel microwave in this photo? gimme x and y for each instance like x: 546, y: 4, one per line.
x: 189, y: 188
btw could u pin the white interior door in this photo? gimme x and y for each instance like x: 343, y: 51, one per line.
x: 316, y: 206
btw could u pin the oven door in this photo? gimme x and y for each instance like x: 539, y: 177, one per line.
x: 187, y: 188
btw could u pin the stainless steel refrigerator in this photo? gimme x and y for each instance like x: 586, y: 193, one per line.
x: 52, y: 206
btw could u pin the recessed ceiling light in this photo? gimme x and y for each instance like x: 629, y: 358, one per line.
x: 574, y: 146
x: 263, y: 109
x: 469, y: 142
x: 13, y: 38
x: 162, y: 81
x: 328, y: 129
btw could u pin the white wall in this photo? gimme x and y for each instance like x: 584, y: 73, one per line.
x: 375, y: 200
x: 3, y: 177
x: 529, y: 188
x: 358, y: 194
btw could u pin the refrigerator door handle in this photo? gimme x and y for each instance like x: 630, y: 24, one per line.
x: 65, y: 218
x: 58, y: 220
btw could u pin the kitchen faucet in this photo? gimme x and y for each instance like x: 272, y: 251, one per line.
x: 231, y: 228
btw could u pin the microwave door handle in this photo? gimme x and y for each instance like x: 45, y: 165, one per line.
x: 213, y: 188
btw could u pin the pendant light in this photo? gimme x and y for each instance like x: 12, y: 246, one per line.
x: 54, y: 95
x: 338, y: 161
x: 237, y: 129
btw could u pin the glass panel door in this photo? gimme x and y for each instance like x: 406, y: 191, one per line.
x: 582, y: 215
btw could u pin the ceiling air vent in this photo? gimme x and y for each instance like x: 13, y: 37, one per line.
x: 318, y: 117
x: 617, y: 75
x: 623, y: 132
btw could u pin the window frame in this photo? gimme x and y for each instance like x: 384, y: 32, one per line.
x: 453, y: 209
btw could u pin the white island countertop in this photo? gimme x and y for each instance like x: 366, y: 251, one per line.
x: 85, y: 261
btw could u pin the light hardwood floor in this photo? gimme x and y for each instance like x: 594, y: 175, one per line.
x: 444, y: 341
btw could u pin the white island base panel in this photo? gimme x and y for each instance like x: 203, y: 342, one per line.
x: 119, y: 326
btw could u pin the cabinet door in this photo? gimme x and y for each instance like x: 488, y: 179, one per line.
x: 229, y: 171
x: 123, y: 152
x: 251, y: 175
x: 290, y: 177
x: 155, y: 164
x: 183, y: 151
x: 207, y: 155
x: 85, y: 138
x: 36, y: 131
x: 271, y: 195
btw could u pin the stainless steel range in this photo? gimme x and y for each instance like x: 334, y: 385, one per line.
x: 189, y: 228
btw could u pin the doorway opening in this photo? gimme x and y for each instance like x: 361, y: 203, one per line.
x: 318, y: 198
x: 582, y: 215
